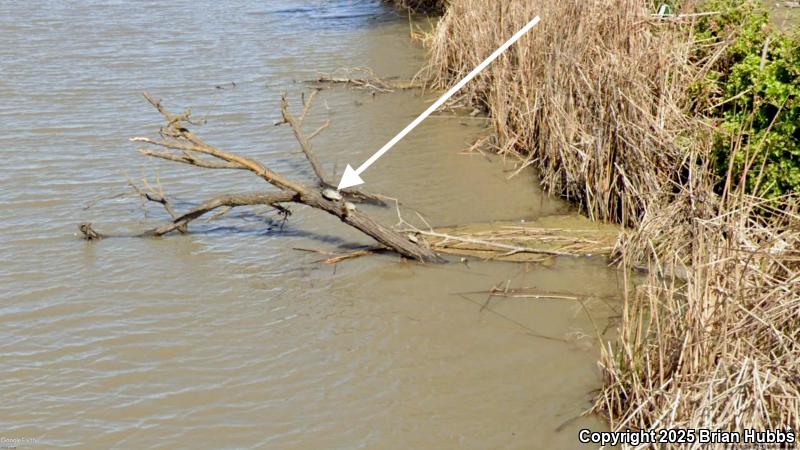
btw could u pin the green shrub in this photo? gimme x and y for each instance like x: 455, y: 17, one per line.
x: 752, y: 91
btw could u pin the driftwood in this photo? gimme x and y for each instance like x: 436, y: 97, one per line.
x: 520, y: 243
x: 179, y: 144
x: 363, y: 78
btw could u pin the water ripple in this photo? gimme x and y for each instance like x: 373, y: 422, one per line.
x: 226, y: 337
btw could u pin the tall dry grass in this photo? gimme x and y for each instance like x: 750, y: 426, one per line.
x: 720, y: 348
x: 589, y: 97
x: 597, y: 99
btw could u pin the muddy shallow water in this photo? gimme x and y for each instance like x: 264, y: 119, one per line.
x: 785, y: 14
x: 227, y: 337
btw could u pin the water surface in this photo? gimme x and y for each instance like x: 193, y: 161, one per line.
x: 227, y: 337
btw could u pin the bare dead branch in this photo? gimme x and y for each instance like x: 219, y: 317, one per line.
x: 319, y: 130
x: 176, y: 136
x: 219, y: 214
x: 89, y: 233
x: 229, y: 201
x: 153, y: 196
x: 191, y: 160
x: 316, y: 166
x: 346, y: 256
x: 176, y: 130
x: 364, y: 78
x: 306, y: 106
x: 305, y: 145
x: 334, y: 258
x: 180, y: 223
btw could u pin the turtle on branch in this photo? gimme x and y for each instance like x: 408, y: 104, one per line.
x: 179, y: 144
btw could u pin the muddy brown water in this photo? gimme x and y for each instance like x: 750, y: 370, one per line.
x: 227, y: 337
x: 785, y: 14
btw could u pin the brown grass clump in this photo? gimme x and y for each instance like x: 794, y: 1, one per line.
x: 588, y: 97
x: 597, y: 98
x: 719, y: 349
x: 520, y: 243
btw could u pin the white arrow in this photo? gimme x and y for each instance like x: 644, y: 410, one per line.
x: 351, y: 177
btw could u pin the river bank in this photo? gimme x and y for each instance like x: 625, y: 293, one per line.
x: 680, y: 127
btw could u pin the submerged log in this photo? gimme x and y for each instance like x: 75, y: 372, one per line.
x: 180, y: 145
x: 564, y: 236
x: 364, y: 78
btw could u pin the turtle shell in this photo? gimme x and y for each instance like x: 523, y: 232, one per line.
x: 331, y: 194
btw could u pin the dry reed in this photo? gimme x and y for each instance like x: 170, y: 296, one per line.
x: 588, y: 97
x: 718, y: 350
x: 596, y: 98
x: 506, y: 242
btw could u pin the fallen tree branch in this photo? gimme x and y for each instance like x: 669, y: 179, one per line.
x: 191, y: 160
x: 229, y: 201
x: 305, y: 145
x: 484, y: 244
x: 335, y: 258
x: 181, y: 222
x: 183, y: 146
x: 364, y: 78
x: 154, y: 196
